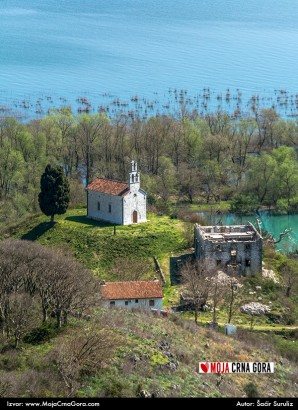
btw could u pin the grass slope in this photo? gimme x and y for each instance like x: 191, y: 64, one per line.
x: 159, y: 355
x: 94, y: 243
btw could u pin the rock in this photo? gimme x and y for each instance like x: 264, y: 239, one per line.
x: 269, y: 274
x: 157, y: 393
x: 171, y: 366
x: 258, y: 288
x: 175, y: 387
x: 260, y: 298
x: 252, y: 293
x: 255, y: 308
x: 168, y: 354
x: 164, y: 345
x: 135, y: 358
x: 144, y: 394
x: 207, y: 344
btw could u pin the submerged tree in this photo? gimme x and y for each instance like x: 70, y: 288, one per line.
x: 54, y: 195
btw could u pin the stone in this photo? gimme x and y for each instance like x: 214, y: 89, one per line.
x: 207, y: 344
x: 144, y: 394
x: 258, y: 288
x: 164, y: 345
x: 171, y: 366
x: 260, y: 298
x: 255, y: 308
x: 269, y: 274
x: 135, y: 358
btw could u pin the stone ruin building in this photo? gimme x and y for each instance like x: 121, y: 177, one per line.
x: 235, y: 249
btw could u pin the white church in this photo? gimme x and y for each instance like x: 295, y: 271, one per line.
x: 117, y: 202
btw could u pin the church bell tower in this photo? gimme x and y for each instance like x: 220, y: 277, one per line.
x: 134, y: 177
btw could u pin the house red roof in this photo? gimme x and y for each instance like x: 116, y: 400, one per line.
x: 131, y: 290
x: 108, y: 186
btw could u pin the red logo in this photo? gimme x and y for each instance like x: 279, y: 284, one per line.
x: 205, y: 367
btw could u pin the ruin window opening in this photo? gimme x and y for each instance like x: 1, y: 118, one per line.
x: 247, y: 262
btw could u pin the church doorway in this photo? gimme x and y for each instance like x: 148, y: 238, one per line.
x: 134, y: 217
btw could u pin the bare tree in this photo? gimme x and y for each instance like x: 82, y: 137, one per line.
x: 219, y: 284
x: 83, y: 353
x: 289, y: 271
x: 71, y: 287
x: 196, y: 276
x: 231, y: 293
x: 18, y: 315
x: 131, y: 269
x: 28, y: 269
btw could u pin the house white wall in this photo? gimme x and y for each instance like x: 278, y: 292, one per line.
x: 135, y: 200
x: 142, y: 303
x: 115, y: 216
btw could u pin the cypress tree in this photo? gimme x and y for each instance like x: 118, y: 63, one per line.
x: 54, y: 192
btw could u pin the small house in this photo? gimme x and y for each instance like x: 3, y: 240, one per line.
x: 132, y: 294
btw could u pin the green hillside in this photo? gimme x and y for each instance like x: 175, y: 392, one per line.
x: 144, y: 353
x: 137, y: 353
x: 94, y: 243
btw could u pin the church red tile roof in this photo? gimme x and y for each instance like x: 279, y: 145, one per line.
x: 131, y: 290
x: 108, y: 186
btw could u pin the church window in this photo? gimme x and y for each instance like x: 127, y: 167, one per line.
x: 133, y: 178
x: 98, y: 206
x: 110, y: 208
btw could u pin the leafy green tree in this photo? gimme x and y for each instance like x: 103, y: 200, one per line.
x: 54, y: 195
x: 244, y: 204
x: 260, y: 178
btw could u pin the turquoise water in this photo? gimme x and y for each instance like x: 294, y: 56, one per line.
x: 275, y: 224
x: 53, y: 52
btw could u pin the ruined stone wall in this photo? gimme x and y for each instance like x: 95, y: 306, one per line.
x: 246, y: 255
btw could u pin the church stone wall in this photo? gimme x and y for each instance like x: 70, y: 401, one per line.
x: 134, y: 201
x: 105, y: 200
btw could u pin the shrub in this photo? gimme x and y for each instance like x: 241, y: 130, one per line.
x: 251, y: 390
x: 41, y: 334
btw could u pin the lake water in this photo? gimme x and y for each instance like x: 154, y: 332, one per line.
x: 55, y: 51
x: 275, y: 224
